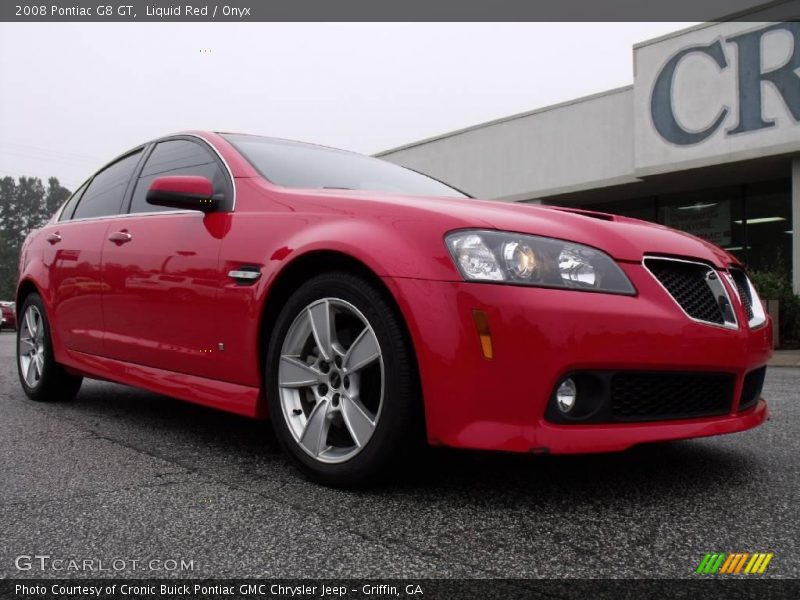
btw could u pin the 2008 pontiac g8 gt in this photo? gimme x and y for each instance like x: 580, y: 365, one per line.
x: 361, y: 306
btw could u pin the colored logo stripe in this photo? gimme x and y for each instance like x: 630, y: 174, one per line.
x: 726, y: 566
x: 711, y: 563
x: 734, y: 563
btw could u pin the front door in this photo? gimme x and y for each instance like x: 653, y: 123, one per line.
x: 161, y: 269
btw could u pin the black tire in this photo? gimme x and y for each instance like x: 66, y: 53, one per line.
x: 399, y: 430
x: 55, y: 383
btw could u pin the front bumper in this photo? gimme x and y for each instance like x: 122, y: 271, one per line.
x: 539, y: 335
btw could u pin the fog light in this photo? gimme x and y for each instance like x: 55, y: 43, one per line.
x: 566, y: 394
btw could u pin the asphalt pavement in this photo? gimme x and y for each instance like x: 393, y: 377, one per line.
x: 129, y: 475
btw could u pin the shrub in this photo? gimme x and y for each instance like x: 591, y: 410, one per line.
x: 776, y: 285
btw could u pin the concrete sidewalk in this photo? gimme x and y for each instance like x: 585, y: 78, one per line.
x: 785, y: 358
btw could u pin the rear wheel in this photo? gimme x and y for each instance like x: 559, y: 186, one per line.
x: 343, y: 393
x: 42, y: 378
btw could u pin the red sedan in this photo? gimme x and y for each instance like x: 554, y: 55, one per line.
x: 363, y: 307
x: 8, y: 316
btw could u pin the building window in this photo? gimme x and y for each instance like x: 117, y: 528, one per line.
x: 708, y: 214
x: 752, y: 221
x: 768, y: 229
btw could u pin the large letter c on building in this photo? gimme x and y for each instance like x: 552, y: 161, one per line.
x: 661, y: 108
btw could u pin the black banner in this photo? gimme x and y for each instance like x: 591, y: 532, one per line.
x: 737, y: 587
x: 397, y: 10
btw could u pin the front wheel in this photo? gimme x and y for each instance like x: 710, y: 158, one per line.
x: 42, y: 378
x: 342, y: 384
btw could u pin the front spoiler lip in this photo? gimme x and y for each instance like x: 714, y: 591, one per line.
x: 582, y: 439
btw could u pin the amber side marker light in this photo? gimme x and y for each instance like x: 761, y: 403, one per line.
x: 482, y: 325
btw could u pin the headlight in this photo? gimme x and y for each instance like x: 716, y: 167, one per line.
x: 533, y: 260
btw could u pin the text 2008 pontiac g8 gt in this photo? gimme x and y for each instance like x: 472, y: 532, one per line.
x: 361, y: 305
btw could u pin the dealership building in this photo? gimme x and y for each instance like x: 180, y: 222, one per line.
x: 707, y: 140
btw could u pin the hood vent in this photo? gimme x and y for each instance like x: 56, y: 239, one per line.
x: 584, y: 213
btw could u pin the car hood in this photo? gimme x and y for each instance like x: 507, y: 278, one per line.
x: 622, y: 238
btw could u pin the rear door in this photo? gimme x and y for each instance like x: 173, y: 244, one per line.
x: 72, y: 255
x: 161, y: 269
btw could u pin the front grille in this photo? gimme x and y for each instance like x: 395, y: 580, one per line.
x: 740, y: 279
x: 687, y: 283
x: 651, y: 396
x: 751, y: 388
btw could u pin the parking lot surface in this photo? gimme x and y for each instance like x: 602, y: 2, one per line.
x: 122, y: 473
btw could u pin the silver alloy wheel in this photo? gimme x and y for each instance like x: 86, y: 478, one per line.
x: 30, y: 348
x: 331, y: 380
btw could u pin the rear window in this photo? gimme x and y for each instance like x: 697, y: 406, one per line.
x: 69, y: 207
x: 106, y: 192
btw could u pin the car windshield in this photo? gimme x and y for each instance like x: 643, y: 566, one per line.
x: 299, y: 165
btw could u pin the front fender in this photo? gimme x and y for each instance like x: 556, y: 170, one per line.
x: 407, y: 249
x: 276, y: 242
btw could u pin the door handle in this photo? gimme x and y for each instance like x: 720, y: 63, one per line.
x: 53, y: 238
x: 120, y: 237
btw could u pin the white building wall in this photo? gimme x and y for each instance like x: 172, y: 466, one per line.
x: 685, y: 110
x: 583, y: 144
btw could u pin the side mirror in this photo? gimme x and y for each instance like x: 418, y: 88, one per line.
x: 184, y: 192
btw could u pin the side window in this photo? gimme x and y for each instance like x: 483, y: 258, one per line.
x: 176, y: 157
x: 106, y: 192
x: 69, y: 207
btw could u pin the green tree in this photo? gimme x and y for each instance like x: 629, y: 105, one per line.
x: 9, y: 228
x: 24, y: 206
x: 55, y: 197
